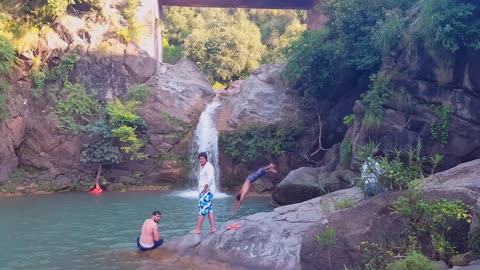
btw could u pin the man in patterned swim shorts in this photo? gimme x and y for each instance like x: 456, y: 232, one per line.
x: 250, y: 179
x: 206, y: 188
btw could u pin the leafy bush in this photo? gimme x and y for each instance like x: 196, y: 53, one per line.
x: 414, y: 261
x: 122, y: 113
x: 430, y: 220
x: 327, y: 239
x: 374, y: 99
x: 376, y: 257
x: 171, y: 54
x: 439, y: 128
x: 343, y: 204
x: 75, y: 105
x: 133, y: 31
x: 313, y: 63
x: 348, y: 119
x: 50, y: 11
x: 400, y: 168
x: 346, y: 151
x: 137, y: 92
x: 62, y: 71
x: 252, y: 143
x: 474, y: 239
x: 4, y: 112
x: 7, y: 55
x: 125, y: 123
x: 451, y: 23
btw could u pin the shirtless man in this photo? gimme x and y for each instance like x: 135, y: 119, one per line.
x: 150, y: 238
x: 250, y: 179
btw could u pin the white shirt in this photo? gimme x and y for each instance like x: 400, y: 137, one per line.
x: 371, y: 171
x: 207, y: 176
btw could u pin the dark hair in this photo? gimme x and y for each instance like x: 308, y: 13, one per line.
x: 156, y: 212
x: 203, y: 154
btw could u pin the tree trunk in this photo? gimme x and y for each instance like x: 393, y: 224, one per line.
x: 99, y: 171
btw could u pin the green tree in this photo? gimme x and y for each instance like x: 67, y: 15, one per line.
x: 225, y: 48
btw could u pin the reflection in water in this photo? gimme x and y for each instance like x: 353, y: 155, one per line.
x: 81, y: 231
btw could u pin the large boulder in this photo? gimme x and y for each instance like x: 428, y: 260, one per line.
x: 261, y: 99
x: 265, y: 240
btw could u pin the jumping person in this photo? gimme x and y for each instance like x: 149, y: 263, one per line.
x: 250, y: 179
x: 150, y: 237
x: 206, y: 188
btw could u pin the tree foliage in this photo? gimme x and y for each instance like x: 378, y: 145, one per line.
x: 251, y: 143
x: 227, y: 46
x: 226, y: 43
x: 360, y: 32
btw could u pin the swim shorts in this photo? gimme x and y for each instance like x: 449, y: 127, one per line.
x: 205, y: 203
x: 154, y: 246
x: 254, y: 176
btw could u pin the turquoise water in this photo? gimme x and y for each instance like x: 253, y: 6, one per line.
x: 83, y: 231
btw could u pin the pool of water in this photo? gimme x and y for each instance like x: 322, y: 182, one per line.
x: 83, y: 231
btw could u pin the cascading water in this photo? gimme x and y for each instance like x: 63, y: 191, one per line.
x: 205, y: 139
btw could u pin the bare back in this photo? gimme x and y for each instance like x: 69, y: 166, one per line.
x: 149, y: 232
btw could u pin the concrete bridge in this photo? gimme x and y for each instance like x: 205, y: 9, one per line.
x: 267, y: 4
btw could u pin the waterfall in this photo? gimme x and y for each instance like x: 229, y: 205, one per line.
x: 205, y: 139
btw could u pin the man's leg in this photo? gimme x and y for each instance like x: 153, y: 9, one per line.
x: 211, y: 217
x: 198, y: 228
x: 243, y: 191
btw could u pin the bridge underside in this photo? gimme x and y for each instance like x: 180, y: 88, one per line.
x: 263, y: 4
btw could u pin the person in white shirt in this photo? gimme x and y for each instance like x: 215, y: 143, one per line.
x: 371, y: 171
x: 206, y: 189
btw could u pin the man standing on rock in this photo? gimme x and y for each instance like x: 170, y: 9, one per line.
x: 206, y: 188
x: 149, y: 237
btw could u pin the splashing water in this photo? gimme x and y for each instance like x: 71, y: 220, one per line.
x: 205, y: 139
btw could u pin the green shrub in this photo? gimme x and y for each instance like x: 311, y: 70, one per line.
x: 400, y: 168
x: 171, y: 54
x: 439, y: 128
x: 122, y: 113
x: 137, y: 92
x: 63, y: 70
x: 346, y: 151
x: 262, y: 141
x: 376, y: 257
x: 387, y: 32
x: 430, y: 220
x: 4, y: 111
x: 343, y: 204
x: 50, y: 11
x: 474, y: 239
x: 313, y: 63
x: 7, y: 55
x: 451, y: 23
x: 133, y: 31
x: 374, y: 99
x: 414, y: 261
x: 74, y: 105
x: 348, y: 119
x: 327, y: 239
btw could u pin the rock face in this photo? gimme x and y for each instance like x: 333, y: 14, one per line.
x: 433, y: 82
x: 285, y: 238
x: 265, y: 240
x: 260, y: 100
x: 32, y: 140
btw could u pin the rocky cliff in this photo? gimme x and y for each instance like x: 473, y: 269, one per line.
x: 34, y: 147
